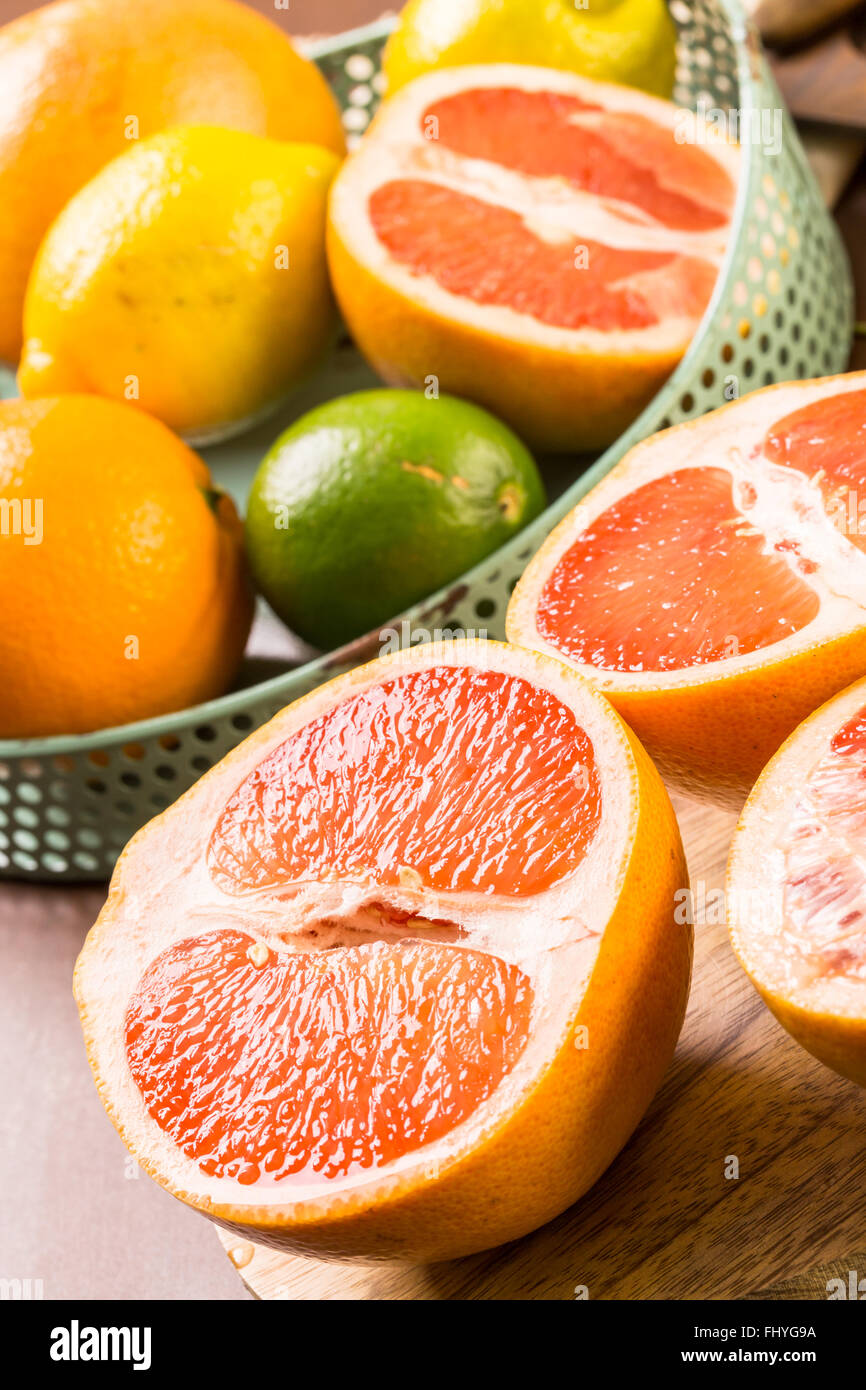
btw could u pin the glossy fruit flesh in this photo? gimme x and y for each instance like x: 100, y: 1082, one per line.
x: 319, y: 1064
x: 829, y: 438
x: 621, y: 156
x: 824, y: 880
x: 263, y: 1064
x: 529, y: 274
x: 473, y: 780
x: 495, y: 256
x: 675, y: 574
x: 647, y: 587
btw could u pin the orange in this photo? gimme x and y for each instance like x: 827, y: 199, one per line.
x: 400, y: 975
x: 797, y: 884
x: 713, y: 585
x: 126, y: 594
x: 537, y: 242
x: 81, y: 79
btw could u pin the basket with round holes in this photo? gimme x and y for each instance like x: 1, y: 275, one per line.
x: 782, y: 309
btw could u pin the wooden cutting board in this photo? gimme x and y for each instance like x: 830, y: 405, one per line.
x: 664, y: 1221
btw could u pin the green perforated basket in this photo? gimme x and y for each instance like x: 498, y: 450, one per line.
x: 781, y: 310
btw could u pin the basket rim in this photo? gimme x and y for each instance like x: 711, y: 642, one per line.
x: 363, y: 33
x: 752, y: 68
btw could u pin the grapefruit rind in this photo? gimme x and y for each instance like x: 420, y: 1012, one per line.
x: 823, y: 1008
x: 711, y: 726
x: 601, y: 949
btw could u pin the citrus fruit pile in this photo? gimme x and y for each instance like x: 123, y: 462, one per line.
x: 85, y: 79
x: 401, y: 974
x: 154, y: 271
x: 538, y: 242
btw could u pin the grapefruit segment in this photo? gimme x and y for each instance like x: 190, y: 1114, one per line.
x: 646, y: 587
x: 797, y: 884
x: 469, y: 780
x: 626, y: 158
x: 535, y: 276
x: 541, y: 243
x: 713, y: 585
x: 391, y: 1046
x: 340, y: 992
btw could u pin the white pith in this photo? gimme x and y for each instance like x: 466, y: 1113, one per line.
x: 166, y: 893
x: 722, y: 440
x: 552, y: 210
x: 757, y: 870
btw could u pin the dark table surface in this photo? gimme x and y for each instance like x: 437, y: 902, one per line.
x: 76, y: 1212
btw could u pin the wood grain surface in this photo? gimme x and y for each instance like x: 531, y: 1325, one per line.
x: 664, y: 1221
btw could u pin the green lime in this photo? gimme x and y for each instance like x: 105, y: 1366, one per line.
x: 373, y: 501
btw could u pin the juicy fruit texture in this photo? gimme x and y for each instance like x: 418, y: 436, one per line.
x: 713, y: 583
x: 129, y: 567
x: 617, y: 155
x: 542, y: 244
x: 824, y: 883
x: 629, y: 41
x: 391, y: 1047
x: 391, y: 496
x: 647, y: 587
x: 796, y: 884
x: 332, y: 997
x: 406, y: 776
x: 188, y: 276
x: 531, y: 276
x: 831, y: 435
x: 467, y: 781
x: 495, y: 790
x: 73, y: 75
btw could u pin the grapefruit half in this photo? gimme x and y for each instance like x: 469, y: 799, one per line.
x: 713, y: 585
x: 400, y: 975
x: 538, y: 242
x: 797, y: 884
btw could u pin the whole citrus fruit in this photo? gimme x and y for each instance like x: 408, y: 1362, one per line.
x: 82, y: 79
x: 126, y: 593
x: 371, y: 502
x: 628, y: 41
x: 188, y: 277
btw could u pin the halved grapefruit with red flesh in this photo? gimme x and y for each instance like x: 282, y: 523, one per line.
x: 400, y: 975
x: 540, y: 243
x: 797, y: 884
x: 713, y: 585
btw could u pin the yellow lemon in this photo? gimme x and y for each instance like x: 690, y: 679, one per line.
x: 629, y: 41
x: 188, y: 277
x: 77, y: 76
